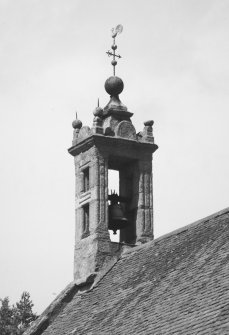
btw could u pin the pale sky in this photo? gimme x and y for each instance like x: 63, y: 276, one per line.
x: 53, y: 62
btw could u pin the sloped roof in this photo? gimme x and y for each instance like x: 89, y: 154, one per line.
x: 176, y: 284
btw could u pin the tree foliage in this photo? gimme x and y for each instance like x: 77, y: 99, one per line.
x: 14, y: 320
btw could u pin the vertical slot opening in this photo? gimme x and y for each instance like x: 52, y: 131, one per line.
x: 113, y: 186
x: 86, y: 220
x: 86, y: 180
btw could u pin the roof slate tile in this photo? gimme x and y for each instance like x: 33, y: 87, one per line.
x: 177, y: 284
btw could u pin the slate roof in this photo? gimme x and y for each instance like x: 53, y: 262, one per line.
x: 176, y: 284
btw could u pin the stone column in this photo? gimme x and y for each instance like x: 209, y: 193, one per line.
x: 99, y: 196
x: 144, y: 221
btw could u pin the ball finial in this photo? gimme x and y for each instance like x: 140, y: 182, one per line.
x: 114, y: 86
x: 98, y: 111
x: 76, y: 124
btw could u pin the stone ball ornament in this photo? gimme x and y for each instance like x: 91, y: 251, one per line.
x: 114, y: 85
x: 98, y: 111
x: 76, y: 124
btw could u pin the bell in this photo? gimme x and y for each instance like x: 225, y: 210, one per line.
x: 116, y: 217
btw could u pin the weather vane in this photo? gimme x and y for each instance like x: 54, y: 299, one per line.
x: 114, y: 32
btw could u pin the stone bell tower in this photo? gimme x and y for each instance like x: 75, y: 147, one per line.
x: 111, y: 143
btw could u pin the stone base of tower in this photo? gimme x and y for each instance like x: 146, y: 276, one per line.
x: 92, y: 254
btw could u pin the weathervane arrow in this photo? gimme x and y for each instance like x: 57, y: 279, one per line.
x: 114, y: 32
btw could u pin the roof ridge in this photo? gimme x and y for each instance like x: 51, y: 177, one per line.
x: 193, y: 224
x: 176, y: 231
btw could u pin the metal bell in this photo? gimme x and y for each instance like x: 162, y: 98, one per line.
x: 116, y: 215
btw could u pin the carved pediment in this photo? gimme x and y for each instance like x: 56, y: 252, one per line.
x: 126, y: 129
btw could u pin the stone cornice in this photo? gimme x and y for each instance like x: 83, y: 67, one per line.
x: 116, y: 143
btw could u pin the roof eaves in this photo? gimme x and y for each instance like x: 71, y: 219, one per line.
x: 51, y: 312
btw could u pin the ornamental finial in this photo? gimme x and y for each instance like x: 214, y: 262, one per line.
x: 114, y: 32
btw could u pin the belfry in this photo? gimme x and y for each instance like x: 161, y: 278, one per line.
x: 175, y: 284
x: 111, y: 143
